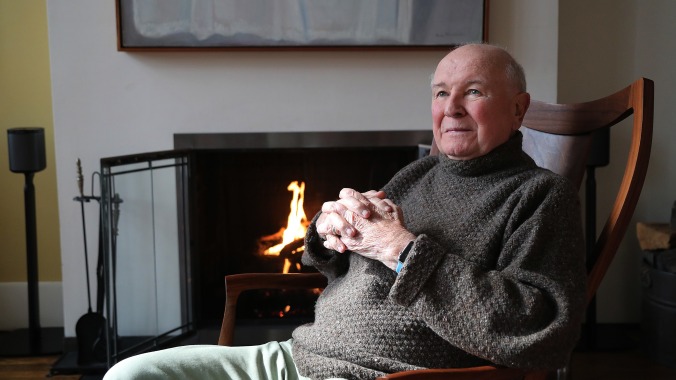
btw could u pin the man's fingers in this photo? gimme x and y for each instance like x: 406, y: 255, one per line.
x: 384, y: 205
x: 348, y: 193
x: 379, y: 200
x: 358, y: 205
x: 366, y: 201
x: 375, y: 194
x: 328, y: 207
x: 346, y: 208
x: 337, y: 224
x: 333, y: 242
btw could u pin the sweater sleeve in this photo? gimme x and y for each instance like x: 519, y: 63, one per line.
x: 525, y: 310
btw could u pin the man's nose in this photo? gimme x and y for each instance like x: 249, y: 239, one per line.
x: 454, y: 106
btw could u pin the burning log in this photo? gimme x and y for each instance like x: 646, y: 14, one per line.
x: 288, y: 241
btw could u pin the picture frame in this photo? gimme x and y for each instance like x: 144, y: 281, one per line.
x: 298, y: 24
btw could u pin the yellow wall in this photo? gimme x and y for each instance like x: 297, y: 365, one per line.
x: 25, y: 100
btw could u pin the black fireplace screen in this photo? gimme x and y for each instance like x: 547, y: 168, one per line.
x: 147, y: 259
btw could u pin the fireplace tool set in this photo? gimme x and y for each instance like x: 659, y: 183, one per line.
x: 90, y: 328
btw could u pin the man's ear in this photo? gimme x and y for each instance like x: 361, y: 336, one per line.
x: 522, y: 101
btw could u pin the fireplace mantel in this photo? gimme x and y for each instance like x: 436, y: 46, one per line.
x: 271, y: 140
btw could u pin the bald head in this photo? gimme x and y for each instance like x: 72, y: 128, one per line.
x: 491, y: 57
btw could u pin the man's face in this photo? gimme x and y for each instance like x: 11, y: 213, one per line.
x: 475, y: 108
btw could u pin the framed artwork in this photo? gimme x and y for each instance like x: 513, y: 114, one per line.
x: 271, y: 24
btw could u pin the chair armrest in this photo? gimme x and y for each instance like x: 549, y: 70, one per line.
x: 237, y: 283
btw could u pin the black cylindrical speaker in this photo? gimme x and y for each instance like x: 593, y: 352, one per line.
x: 26, y: 149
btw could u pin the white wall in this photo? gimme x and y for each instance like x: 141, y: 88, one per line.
x: 109, y: 103
x: 529, y: 30
x: 601, y: 50
x: 655, y: 55
x: 596, y: 58
x: 16, y: 316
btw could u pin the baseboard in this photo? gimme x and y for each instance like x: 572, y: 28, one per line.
x: 14, y: 305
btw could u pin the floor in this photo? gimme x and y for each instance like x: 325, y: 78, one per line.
x: 585, y: 366
x: 617, y: 366
x: 30, y: 368
x: 616, y: 356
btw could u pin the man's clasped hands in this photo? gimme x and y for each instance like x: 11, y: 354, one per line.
x: 368, y: 224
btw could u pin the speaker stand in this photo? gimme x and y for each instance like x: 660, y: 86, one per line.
x: 34, y: 341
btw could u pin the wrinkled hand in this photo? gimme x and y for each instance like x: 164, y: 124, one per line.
x: 368, y: 224
x: 337, y: 216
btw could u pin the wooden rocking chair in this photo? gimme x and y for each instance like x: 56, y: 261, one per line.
x: 558, y: 137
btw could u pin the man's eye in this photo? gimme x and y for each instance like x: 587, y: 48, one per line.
x: 441, y: 94
x: 473, y: 92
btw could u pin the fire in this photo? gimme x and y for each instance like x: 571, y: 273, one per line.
x: 296, y: 225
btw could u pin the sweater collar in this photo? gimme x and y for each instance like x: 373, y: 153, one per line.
x: 507, y: 155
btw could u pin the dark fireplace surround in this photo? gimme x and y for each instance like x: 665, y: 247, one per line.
x: 238, y: 194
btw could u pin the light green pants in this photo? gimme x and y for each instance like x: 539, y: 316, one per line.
x: 271, y: 361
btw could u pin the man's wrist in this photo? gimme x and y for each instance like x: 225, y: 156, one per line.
x: 401, y: 257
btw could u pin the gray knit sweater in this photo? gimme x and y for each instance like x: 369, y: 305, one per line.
x: 496, y: 275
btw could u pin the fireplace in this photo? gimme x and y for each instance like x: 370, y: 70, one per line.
x: 238, y: 194
x: 176, y: 222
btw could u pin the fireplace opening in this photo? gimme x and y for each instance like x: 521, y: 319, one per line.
x: 239, y: 194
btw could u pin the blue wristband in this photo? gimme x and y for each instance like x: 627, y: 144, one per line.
x: 402, y: 256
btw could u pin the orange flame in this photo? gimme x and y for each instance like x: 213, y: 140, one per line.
x: 296, y: 225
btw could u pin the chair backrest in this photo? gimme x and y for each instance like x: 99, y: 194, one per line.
x: 559, y: 137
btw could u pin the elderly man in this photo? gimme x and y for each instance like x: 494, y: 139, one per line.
x: 471, y: 257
